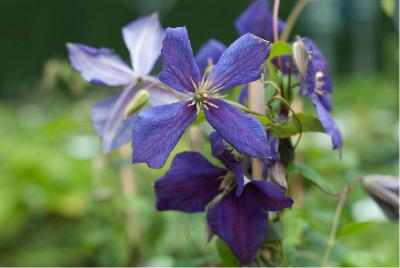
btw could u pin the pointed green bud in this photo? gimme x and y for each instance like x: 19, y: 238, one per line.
x: 137, y: 102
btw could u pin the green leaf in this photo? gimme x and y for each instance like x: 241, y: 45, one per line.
x: 278, y: 49
x: 291, y: 127
x: 388, y: 6
x: 353, y: 227
x: 265, y: 121
x: 226, y: 255
x: 310, y: 175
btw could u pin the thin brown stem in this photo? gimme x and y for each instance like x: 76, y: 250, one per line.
x: 292, y: 18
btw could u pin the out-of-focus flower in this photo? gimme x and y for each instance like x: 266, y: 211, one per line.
x: 157, y: 130
x: 316, y: 85
x: 143, y: 38
x: 258, y: 20
x: 193, y: 184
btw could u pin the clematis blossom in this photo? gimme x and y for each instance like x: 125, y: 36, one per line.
x: 317, y: 85
x: 193, y: 184
x: 143, y: 38
x: 258, y: 20
x: 157, y: 130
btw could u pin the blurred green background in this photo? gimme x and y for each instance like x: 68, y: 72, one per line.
x: 64, y: 204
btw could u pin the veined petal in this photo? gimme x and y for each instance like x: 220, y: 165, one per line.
x: 99, y: 65
x: 179, y: 70
x: 257, y: 19
x: 189, y: 185
x: 242, y: 131
x: 210, y: 51
x: 157, y: 130
x: 328, y: 124
x: 269, y: 196
x: 109, y: 121
x: 241, y: 63
x: 222, y: 153
x: 309, y: 83
x: 240, y: 223
x: 143, y: 38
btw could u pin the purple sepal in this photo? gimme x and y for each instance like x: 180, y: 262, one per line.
x: 328, y: 124
x: 189, y: 185
x: 179, y: 70
x: 157, y: 130
x: 212, y: 50
x: 242, y: 221
x: 109, y: 121
x: 257, y: 19
x: 99, y: 65
x: 241, y: 63
x: 222, y: 153
x: 143, y: 38
x: 242, y: 131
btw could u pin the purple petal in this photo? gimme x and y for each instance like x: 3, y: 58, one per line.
x: 225, y: 155
x: 325, y: 101
x: 242, y: 131
x: 143, y: 38
x: 108, y: 116
x: 157, y: 130
x: 257, y: 19
x: 189, y: 185
x: 309, y: 83
x: 244, y: 95
x: 269, y: 196
x: 241, y: 63
x: 212, y: 50
x: 109, y: 121
x: 179, y: 70
x: 242, y: 221
x: 99, y: 65
x: 328, y: 124
x: 318, y: 57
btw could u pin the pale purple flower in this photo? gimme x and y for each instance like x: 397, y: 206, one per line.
x: 143, y: 38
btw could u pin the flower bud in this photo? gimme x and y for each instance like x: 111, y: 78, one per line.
x: 137, y: 102
x: 385, y: 191
x: 301, y: 56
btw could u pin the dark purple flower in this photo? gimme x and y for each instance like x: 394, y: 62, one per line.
x: 143, y: 38
x: 209, y: 54
x: 157, y: 130
x: 258, y: 20
x: 193, y: 184
x: 317, y: 85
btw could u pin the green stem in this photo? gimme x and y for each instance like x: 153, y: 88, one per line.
x: 335, y: 225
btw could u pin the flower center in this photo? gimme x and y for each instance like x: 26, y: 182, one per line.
x: 202, y: 94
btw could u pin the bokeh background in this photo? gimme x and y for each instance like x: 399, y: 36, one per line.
x: 62, y: 203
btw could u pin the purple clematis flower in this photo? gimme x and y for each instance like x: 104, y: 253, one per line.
x: 193, y: 184
x: 143, y: 38
x: 258, y: 20
x: 316, y: 85
x: 157, y: 130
